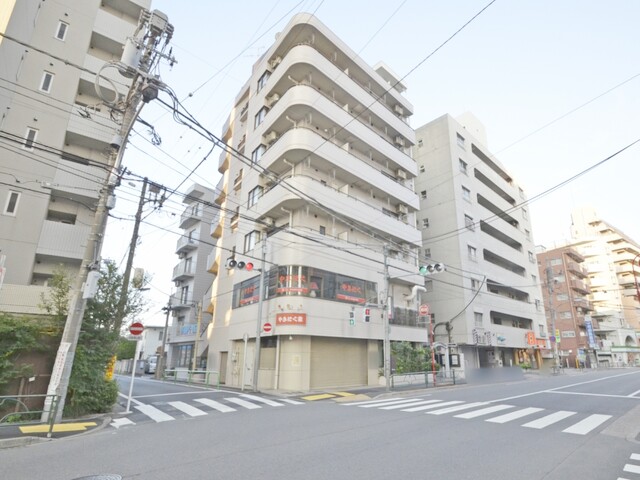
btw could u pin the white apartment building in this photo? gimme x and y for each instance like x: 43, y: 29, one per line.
x: 191, y: 279
x: 323, y: 181
x: 609, y: 258
x: 486, y: 305
x: 54, y: 133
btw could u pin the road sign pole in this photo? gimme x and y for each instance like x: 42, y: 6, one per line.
x: 133, y: 376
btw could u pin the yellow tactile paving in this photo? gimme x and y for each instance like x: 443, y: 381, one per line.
x: 58, y: 427
x: 320, y: 396
x: 343, y: 394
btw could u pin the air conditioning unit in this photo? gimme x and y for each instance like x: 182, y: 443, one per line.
x: 269, y: 101
x: 181, y: 255
x: 268, y: 221
x: 270, y: 137
x: 399, y: 141
x: 275, y: 61
x: 403, y: 209
x: 398, y: 109
x: 401, y: 174
x: 177, y: 283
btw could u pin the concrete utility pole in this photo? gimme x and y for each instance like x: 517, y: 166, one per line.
x: 552, y: 311
x: 138, y: 58
x: 256, y: 356
x: 385, y: 322
x: 160, y: 365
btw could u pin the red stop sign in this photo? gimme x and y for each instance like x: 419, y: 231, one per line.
x: 136, y: 328
x: 266, y: 327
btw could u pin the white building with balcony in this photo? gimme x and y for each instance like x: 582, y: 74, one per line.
x: 487, y: 304
x: 192, y: 280
x: 320, y: 199
x: 54, y: 134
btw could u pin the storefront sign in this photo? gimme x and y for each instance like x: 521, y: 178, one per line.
x: 291, y: 319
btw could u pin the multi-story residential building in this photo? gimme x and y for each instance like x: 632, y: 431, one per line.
x: 319, y: 198
x: 55, y: 134
x: 190, y: 305
x: 610, y: 256
x: 473, y: 217
x: 570, y: 323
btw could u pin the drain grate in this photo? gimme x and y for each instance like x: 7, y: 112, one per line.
x: 106, y: 476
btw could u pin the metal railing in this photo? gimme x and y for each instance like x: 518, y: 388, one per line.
x: 14, y: 410
x: 202, y: 377
x: 425, y: 379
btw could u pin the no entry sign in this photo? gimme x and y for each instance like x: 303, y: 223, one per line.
x: 136, y: 328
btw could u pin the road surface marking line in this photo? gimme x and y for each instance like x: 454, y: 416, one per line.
x: 635, y: 456
x: 631, y: 468
x: 58, y: 427
x: 154, y: 413
x: 380, y: 402
x: 260, y: 399
x: 484, y: 411
x: 292, y: 402
x: 221, y: 407
x: 121, y: 422
x: 634, y: 393
x: 507, y: 417
x: 384, y: 403
x: 188, y: 409
x: 408, y: 404
x: 549, y: 419
x: 320, y: 396
x: 243, y: 403
x: 133, y: 400
x: 456, y: 408
x: 435, y: 404
x: 585, y: 426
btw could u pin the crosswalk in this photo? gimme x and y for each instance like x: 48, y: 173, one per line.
x: 631, y: 468
x: 489, y: 412
x: 199, y: 407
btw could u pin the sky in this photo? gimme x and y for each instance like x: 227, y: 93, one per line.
x: 556, y: 85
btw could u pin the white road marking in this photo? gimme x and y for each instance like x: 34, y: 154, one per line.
x: 635, y: 456
x: 133, y: 400
x: 408, y: 404
x: 188, y: 409
x: 429, y: 407
x: 507, y: 417
x: 292, y: 402
x: 585, y: 426
x: 484, y: 411
x: 221, y: 407
x: 383, y: 403
x: 263, y: 400
x: 549, y: 419
x: 456, y: 408
x: 243, y: 403
x: 121, y: 422
x: 154, y: 413
x: 631, y: 468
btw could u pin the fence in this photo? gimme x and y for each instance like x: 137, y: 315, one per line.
x: 19, y: 410
x: 426, y: 379
x: 202, y: 377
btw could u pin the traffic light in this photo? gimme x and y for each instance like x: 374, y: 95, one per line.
x: 242, y: 265
x: 431, y: 268
x: 367, y: 314
x: 352, y: 319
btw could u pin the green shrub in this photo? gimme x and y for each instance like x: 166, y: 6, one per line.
x: 94, y: 397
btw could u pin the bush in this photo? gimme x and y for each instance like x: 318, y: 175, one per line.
x: 95, y: 397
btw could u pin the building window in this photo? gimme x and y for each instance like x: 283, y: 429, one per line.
x: 422, y: 169
x: 561, y: 297
x: 477, y: 319
x: 30, y: 138
x: 541, y: 331
x: 428, y: 286
x: 527, y: 234
x: 475, y: 283
x: 463, y: 166
x: 554, y: 262
x: 473, y: 253
x: 466, y: 194
x: 11, y: 207
x: 468, y: 222
x: 534, y: 279
x: 538, y: 304
x: 262, y: 81
x: 419, y: 143
x: 460, y: 140
x: 47, y: 80
x: 61, y: 32
x: 256, y: 155
x: 532, y: 257
x: 425, y: 223
x: 184, y: 295
x: 260, y: 117
x: 254, y: 195
x: 427, y: 252
x: 423, y: 194
x: 323, y: 230
x: 250, y: 240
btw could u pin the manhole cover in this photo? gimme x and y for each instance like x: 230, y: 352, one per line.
x: 106, y: 476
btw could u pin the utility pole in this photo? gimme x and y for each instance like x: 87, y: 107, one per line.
x: 385, y: 322
x: 160, y: 366
x: 122, y: 301
x: 256, y: 356
x: 194, y: 361
x: 152, y: 26
x: 552, y: 311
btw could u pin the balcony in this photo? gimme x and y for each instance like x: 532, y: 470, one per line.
x: 191, y: 215
x: 579, y: 286
x: 577, y: 269
x: 181, y: 302
x: 63, y: 240
x: 216, y: 228
x: 78, y: 180
x: 223, y: 163
x: 187, y: 243
x: 212, y: 263
x: 22, y: 299
x: 112, y: 27
x: 95, y: 129
x: 183, y: 271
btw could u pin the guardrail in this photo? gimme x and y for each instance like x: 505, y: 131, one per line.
x: 202, y: 377
x: 425, y: 379
x: 14, y: 410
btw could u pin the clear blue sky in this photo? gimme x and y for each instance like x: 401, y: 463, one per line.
x: 517, y: 67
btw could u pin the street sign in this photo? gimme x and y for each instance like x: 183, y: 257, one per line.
x: 267, y: 327
x: 424, y: 309
x: 136, y: 328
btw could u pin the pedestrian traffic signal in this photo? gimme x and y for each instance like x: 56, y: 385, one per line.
x: 367, y: 314
x: 352, y: 320
x: 431, y: 268
x: 242, y: 265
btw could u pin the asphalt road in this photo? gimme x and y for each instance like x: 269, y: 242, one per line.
x: 552, y: 428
